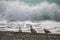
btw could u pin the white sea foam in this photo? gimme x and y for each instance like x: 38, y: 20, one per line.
x: 16, y: 10
x: 52, y: 26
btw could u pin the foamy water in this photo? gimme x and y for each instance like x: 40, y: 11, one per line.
x: 52, y: 26
x: 18, y: 10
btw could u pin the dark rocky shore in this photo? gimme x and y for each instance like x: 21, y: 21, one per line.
x: 28, y: 36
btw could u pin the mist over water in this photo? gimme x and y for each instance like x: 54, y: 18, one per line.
x: 17, y: 10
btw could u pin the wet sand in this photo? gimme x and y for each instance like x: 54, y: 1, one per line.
x: 5, y: 35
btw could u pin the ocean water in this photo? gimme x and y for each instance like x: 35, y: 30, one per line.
x: 52, y: 26
x: 29, y: 10
x: 39, y: 13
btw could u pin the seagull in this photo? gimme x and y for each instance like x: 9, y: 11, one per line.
x: 32, y: 30
x: 46, y: 31
x: 20, y: 30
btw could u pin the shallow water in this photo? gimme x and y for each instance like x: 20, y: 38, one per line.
x: 52, y: 26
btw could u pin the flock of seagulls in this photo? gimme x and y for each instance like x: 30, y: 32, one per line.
x: 34, y: 31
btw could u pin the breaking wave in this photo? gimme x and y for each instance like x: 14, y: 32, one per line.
x: 17, y: 10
